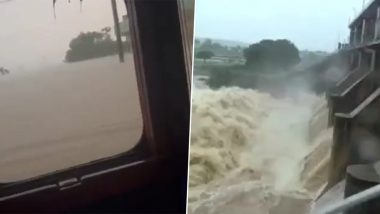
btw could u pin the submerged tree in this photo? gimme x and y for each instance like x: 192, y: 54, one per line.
x: 91, y: 45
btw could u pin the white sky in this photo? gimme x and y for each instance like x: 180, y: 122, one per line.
x: 31, y: 37
x: 310, y: 24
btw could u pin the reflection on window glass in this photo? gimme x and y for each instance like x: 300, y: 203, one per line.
x: 66, y: 97
x: 187, y: 16
x: 189, y: 19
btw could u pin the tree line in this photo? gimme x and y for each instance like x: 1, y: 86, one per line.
x: 266, y: 56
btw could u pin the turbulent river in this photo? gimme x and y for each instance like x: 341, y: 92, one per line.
x: 253, y: 153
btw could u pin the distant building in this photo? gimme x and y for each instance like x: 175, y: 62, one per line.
x: 365, y: 35
x: 357, y: 95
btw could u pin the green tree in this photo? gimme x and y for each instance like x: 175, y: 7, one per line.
x: 272, y: 55
x: 91, y: 45
x: 205, y: 55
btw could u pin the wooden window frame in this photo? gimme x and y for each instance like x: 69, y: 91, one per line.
x: 188, y: 46
x: 163, y: 148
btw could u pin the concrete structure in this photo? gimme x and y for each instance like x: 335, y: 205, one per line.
x: 355, y: 100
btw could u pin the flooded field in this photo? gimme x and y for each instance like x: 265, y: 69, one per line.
x: 67, y: 115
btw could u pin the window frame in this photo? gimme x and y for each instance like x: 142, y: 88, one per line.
x: 165, y: 104
x: 187, y: 46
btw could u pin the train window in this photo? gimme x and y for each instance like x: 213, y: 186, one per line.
x: 68, y: 86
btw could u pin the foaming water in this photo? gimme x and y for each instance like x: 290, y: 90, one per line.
x: 242, y: 136
x: 223, y: 125
x: 282, y: 143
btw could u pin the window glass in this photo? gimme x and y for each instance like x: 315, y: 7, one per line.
x: 66, y: 96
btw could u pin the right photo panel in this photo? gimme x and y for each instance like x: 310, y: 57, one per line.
x: 285, y: 107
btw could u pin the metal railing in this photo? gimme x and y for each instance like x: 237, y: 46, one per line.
x: 353, y: 201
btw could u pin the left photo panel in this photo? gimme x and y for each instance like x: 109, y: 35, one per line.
x: 95, y: 105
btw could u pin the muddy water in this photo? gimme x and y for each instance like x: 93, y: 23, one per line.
x: 253, y: 153
x: 67, y: 115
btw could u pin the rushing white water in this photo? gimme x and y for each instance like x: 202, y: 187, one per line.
x: 258, y: 149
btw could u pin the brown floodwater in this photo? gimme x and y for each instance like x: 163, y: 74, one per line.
x: 67, y: 115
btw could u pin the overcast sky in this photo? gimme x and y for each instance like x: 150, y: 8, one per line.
x: 310, y: 24
x: 30, y: 37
